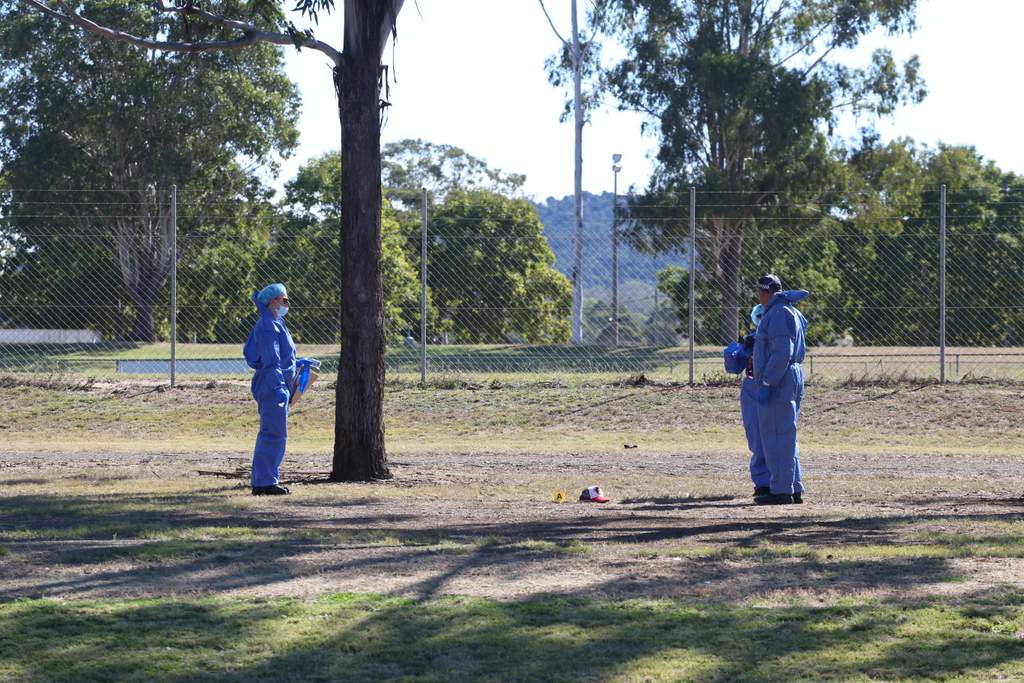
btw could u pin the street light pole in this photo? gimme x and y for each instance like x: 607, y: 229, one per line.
x: 616, y: 158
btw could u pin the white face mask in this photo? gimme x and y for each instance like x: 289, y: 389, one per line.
x: 282, y: 311
x: 756, y: 314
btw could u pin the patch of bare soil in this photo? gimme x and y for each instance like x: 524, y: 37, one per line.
x: 683, y: 525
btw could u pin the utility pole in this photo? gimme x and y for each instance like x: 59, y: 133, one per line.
x: 577, y: 107
x: 576, y: 57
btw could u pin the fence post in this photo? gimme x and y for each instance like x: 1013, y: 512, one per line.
x: 693, y: 268
x: 615, y: 251
x: 423, y: 289
x: 174, y: 282
x: 942, y: 284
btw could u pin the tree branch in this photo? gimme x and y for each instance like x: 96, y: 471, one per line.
x: 208, y: 16
x: 818, y: 61
x: 767, y: 26
x: 805, y: 45
x: 250, y: 34
x: 551, y: 23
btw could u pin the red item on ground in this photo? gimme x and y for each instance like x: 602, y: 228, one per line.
x: 592, y: 494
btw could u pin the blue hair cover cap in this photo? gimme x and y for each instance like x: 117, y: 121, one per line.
x: 270, y: 292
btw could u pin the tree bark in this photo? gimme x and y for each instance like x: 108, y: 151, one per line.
x: 359, y: 424
x: 144, y: 270
x: 144, y: 301
x: 359, y: 453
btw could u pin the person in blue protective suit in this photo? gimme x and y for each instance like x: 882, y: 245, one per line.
x: 269, y: 351
x: 738, y: 358
x: 779, y: 350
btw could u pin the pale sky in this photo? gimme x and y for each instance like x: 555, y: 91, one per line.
x: 471, y: 73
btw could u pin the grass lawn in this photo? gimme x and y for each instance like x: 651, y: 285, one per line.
x: 131, y: 550
x: 467, y: 418
x: 518, y: 364
x: 347, y: 637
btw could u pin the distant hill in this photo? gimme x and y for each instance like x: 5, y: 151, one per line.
x: 637, y: 271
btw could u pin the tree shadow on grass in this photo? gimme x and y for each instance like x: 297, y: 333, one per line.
x: 362, y: 638
x: 968, y: 501
x: 131, y: 515
x: 157, y: 544
x: 679, y: 502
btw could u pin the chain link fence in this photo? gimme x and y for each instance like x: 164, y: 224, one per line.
x: 116, y: 285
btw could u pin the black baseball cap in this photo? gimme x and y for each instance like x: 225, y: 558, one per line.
x: 770, y: 283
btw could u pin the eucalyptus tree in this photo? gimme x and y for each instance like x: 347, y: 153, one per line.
x: 96, y: 132
x: 572, y: 58
x: 411, y: 165
x: 743, y: 96
x: 358, y: 79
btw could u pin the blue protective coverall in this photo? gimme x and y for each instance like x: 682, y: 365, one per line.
x: 736, y: 357
x: 779, y: 350
x: 270, y: 351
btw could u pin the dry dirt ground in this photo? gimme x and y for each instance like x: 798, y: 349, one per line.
x: 115, y: 491
x: 681, y: 524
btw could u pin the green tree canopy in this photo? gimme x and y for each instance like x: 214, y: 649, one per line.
x: 871, y: 260
x: 742, y: 95
x: 120, y: 126
x: 491, y: 271
x: 408, y: 166
x: 893, y: 239
x: 224, y: 266
x: 306, y: 247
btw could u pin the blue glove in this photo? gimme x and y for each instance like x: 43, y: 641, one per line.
x: 764, y: 392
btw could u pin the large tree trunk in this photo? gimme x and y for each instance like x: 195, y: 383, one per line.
x: 143, y: 252
x: 359, y: 453
x: 144, y: 271
x: 144, y: 302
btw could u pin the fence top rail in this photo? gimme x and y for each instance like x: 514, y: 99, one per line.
x: 500, y: 351
x: 935, y: 354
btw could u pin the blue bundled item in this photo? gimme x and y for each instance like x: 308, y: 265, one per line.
x: 735, y: 356
x: 303, y: 367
